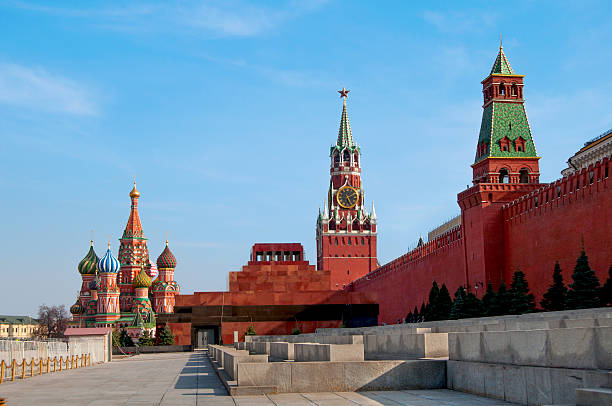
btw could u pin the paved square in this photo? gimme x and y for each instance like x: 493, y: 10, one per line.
x: 189, y: 379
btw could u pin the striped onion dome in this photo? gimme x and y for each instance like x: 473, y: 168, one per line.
x: 76, y: 308
x: 108, y: 263
x: 166, y: 259
x: 87, y: 266
x: 94, y: 284
x: 152, y: 269
x: 142, y: 280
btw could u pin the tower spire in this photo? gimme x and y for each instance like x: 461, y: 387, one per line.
x: 133, y: 227
x: 345, y: 137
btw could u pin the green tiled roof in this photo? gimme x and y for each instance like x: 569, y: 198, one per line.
x: 499, y: 120
x: 18, y: 320
x: 501, y: 66
x: 345, y: 136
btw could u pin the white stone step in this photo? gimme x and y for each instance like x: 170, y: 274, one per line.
x: 593, y: 397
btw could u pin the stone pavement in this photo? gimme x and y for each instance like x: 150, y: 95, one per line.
x: 189, y: 379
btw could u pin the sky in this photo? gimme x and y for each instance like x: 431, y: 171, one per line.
x: 224, y: 112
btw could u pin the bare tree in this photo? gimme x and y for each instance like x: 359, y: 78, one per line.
x: 52, y: 321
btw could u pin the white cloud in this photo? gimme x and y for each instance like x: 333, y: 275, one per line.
x: 216, y: 18
x: 37, y: 89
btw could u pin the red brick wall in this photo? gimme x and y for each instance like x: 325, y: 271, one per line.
x: 502, y: 238
x: 404, y: 283
x: 538, y: 236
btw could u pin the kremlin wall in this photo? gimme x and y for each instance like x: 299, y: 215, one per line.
x: 509, y: 221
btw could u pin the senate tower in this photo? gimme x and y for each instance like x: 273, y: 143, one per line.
x: 346, y: 232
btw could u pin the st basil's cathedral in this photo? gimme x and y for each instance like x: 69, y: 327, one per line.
x: 130, y: 291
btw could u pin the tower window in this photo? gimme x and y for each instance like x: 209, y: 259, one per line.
x: 336, y: 242
x: 501, y: 88
x: 349, y: 241
x: 523, y: 176
x: 591, y: 176
x: 346, y: 157
x: 514, y: 90
x: 356, y: 158
x: 336, y: 158
x: 362, y: 241
x: 503, y: 176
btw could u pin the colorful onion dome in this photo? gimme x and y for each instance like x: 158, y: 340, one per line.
x: 166, y: 259
x: 108, y: 263
x: 76, y: 308
x: 134, y: 192
x: 94, y: 284
x: 87, y: 266
x: 152, y: 269
x: 142, y: 280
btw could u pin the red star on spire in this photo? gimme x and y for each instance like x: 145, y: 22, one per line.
x: 343, y: 92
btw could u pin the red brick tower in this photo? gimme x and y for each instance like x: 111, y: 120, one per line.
x: 505, y: 168
x: 346, y: 232
x: 133, y: 253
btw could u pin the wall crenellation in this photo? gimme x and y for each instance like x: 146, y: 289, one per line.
x: 435, y: 246
x: 589, y: 179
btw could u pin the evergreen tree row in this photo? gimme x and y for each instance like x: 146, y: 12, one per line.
x: 584, y: 292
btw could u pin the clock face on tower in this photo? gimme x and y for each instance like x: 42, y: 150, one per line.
x: 347, y: 197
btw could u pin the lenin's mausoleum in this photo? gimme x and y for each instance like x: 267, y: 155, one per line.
x: 509, y: 221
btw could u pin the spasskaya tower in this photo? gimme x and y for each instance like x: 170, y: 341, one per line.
x: 346, y: 232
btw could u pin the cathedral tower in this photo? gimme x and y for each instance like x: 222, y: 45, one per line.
x: 505, y: 168
x: 165, y: 288
x: 108, y: 292
x: 133, y: 253
x: 346, y: 232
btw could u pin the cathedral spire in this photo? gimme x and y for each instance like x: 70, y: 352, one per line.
x: 133, y: 229
x: 345, y: 137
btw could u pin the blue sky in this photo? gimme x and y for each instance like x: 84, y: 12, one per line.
x: 224, y: 112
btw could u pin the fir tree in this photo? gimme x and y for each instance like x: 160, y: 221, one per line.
x: 472, y: 306
x: 556, y: 295
x: 582, y: 294
x: 521, y: 301
x: 457, y: 308
x: 415, y: 315
x: 431, y: 312
x: 500, y: 303
x: 125, y: 340
x: 422, y: 312
x: 146, y: 339
x: 488, y: 298
x: 445, y: 303
x: 251, y: 331
x: 605, y: 292
x: 165, y: 336
x: 409, y: 317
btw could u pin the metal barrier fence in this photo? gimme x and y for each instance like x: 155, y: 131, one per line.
x: 41, y: 366
x: 17, y: 350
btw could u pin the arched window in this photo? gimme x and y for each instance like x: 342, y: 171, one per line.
x: 346, y: 157
x: 523, y: 176
x: 336, y: 241
x: 356, y: 158
x: 514, y: 90
x: 336, y: 158
x: 501, y: 88
x: 349, y: 241
x: 504, y: 176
